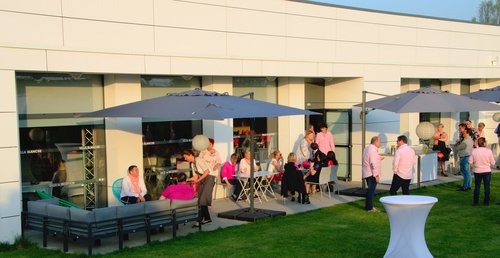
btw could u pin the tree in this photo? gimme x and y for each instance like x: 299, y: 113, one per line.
x: 489, y: 12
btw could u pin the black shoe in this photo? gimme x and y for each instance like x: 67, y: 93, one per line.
x: 293, y: 198
x: 305, y: 200
x: 462, y: 189
x: 443, y: 174
x: 459, y: 186
x: 206, y: 222
x: 299, y: 199
x: 469, y: 188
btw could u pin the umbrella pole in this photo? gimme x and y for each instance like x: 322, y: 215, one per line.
x: 363, y: 131
x: 252, y: 125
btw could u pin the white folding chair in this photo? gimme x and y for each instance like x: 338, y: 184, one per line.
x: 324, y: 178
x: 333, y: 178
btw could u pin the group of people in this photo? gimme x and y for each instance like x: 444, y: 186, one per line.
x: 470, y: 147
x: 402, y: 167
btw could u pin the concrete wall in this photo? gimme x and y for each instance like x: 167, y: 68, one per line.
x: 229, y: 38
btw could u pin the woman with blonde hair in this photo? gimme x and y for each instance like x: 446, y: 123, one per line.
x: 304, y: 151
x: 293, y: 181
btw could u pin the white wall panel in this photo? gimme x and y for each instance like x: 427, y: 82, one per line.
x: 357, y: 52
x: 48, y: 7
x: 8, y: 135
x: 255, y: 46
x: 108, y: 36
x: 311, y: 10
x: 157, y: 64
x: 383, y: 73
x: 182, y: 14
x: 9, y: 158
x: 8, y: 89
x: 251, y: 67
x: 433, y: 38
x: 397, y: 35
x: 205, y: 66
x: 248, y: 21
x: 132, y: 11
x: 310, y: 49
x: 10, y: 199
x: 263, y: 5
x: 26, y: 30
x: 22, y: 59
x: 11, y: 229
x: 94, y: 62
x: 310, y: 27
x: 277, y: 68
x: 432, y: 56
x: 357, y: 31
x: 390, y: 54
x: 463, y: 57
x: 189, y: 42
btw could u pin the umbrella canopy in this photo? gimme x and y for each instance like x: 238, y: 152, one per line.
x: 490, y: 95
x: 198, y: 104
x: 429, y: 100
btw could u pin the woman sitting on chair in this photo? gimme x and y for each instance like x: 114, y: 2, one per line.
x: 133, y: 187
x: 179, y: 191
x: 293, y: 181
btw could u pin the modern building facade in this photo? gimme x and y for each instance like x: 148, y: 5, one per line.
x: 61, y: 57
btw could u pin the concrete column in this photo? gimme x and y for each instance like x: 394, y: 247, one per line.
x: 10, y: 178
x: 451, y: 120
x: 123, y: 135
x: 409, y: 121
x: 221, y: 131
x: 291, y: 92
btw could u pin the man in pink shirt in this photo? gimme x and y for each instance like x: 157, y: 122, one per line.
x: 483, y: 159
x: 402, y: 166
x: 324, y: 139
x: 371, y: 168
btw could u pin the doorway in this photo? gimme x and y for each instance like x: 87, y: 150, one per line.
x: 339, y: 122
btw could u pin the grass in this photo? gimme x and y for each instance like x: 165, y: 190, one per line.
x: 454, y: 229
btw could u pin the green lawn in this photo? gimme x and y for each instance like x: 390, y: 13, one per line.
x: 454, y: 229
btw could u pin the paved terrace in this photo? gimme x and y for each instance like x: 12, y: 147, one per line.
x: 111, y: 244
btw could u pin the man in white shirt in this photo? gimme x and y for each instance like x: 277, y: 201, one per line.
x: 133, y: 187
x: 371, y: 169
x: 402, y: 166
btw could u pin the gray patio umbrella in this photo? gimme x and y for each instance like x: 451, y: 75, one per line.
x: 202, y: 105
x: 421, y: 100
x: 429, y: 100
x: 490, y: 95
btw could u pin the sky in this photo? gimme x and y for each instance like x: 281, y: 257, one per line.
x: 451, y: 9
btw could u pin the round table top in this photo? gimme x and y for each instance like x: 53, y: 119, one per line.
x: 408, y: 199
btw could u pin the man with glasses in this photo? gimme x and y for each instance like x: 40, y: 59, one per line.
x: 402, y: 166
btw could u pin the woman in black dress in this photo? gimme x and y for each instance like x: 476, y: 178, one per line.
x: 293, y: 181
x: 443, y: 152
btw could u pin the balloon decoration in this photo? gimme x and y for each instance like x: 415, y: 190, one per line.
x: 200, y: 142
x: 425, y: 130
x: 496, y: 117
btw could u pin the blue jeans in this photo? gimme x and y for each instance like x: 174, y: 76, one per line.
x: 370, y: 192
x: 465, y: 170
x: 478, y: 177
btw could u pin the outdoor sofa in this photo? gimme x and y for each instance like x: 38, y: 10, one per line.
x: 49, y: 218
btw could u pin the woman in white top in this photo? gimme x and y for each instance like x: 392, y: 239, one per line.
x: 212, y: 157
x: 244, y: 167
x: 276, y: 166
x: 205, y: 176
x: 304, y: 151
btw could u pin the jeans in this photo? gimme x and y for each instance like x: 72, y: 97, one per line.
x: 370, y: 192
x: 465, y: 170
x: 398, y: 182
x: 478, y: 177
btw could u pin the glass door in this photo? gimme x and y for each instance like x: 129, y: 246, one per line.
x: 339, y: 122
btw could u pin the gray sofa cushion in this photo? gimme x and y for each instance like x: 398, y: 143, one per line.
x: 37, y: 207
x: 157, y: 206
x: 53, y: 201
x: 131, y: 210
x: 104, y: 214
x: 58, y: 212
x: 181, y: 204
x: 79, y: 215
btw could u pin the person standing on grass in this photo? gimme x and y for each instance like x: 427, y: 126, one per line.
x: 464, y: 149
x: 483, y: 159
x: 402, y: 166
x: 371, y: 168
x: 324, y: 139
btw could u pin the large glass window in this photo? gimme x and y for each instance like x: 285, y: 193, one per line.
x: 264, y: 89
x: 164, y: 141
x: 62, y: 155
x: 434, y: 117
